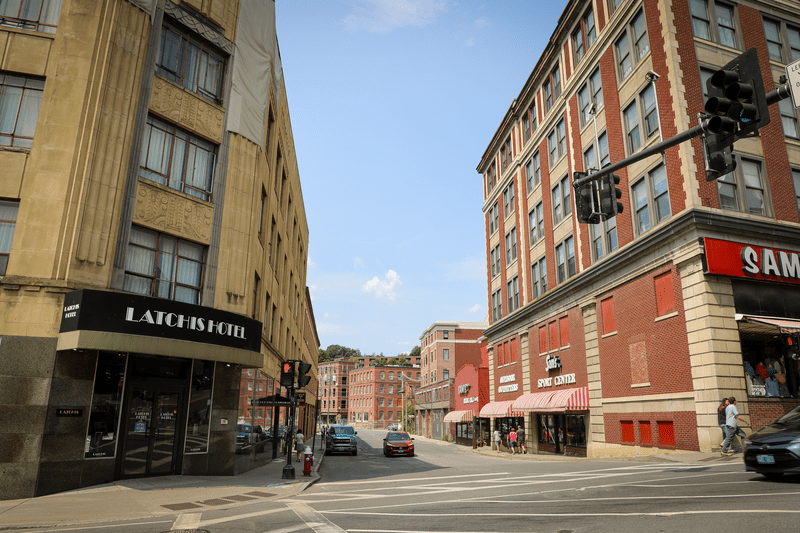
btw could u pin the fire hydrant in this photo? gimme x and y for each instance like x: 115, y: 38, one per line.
x: 309, y: 460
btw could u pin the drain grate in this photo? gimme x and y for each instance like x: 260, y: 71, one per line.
x: 181, y: 506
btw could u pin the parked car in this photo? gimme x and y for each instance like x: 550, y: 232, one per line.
x: 775, y: 450
x: 341, y: 439
x: 398, y: 443
x: 245, y: 435
x: 394, y: 427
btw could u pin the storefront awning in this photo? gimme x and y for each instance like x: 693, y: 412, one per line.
x: 498, y: 410
x: 533, y: 402
x: 459, y: 416
x: 554, y: 401
x: 786, y: 325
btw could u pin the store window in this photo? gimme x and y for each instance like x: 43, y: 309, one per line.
x: 101, y: 438
x: 505, y: 424
x: 767, y: 372
x: 199, y: 422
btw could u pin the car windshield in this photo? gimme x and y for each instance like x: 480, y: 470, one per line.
x: 342, y: 431
x: 243, y: 428
x: 398, y: 436
x: 792, y: 417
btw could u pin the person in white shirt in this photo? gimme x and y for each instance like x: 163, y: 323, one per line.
x: 731, y: 425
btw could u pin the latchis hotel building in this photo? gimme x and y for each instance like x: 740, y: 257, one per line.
x: 153, y: 239
x: 617, y: 337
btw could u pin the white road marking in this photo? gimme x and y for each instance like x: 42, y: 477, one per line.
x: 568, y: 515
x: 337, y: 483
x: 204, y: 523
x: 187, y: 521
x: 314, y: 519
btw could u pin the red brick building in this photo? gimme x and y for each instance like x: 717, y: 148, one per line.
x: 621, y: 336
x: 471, y: 394
x: 444, y: 348
x: 376, y: 394
x: 333, y: 387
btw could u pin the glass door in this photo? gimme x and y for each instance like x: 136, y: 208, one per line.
x: 151, y: 431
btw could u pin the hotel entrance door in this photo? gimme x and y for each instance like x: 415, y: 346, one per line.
x: 152, y: 430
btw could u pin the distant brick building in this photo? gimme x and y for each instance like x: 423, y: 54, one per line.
x: 444, y: 348
x: 376, y: 394
x: 608, y: 338
x: 333, y: 387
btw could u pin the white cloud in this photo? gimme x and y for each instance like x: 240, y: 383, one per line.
x: 358, y: 262
x: 383, y: 289
x: 469, y: 42
x: 475, y: 308
x: 481, y: 23
x: 382, y: 16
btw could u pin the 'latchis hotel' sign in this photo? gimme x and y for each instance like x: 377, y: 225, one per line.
x: 742, y: 260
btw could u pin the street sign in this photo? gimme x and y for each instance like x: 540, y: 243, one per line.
x: 793, y: 73
x: 301, y: 397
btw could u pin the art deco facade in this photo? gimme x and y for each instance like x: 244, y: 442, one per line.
x: 153, y: 239
x: 609, y: 338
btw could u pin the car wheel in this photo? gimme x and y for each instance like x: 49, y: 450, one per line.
x: 771, y: 475
x: 327, y: 451
x: 355, y: 452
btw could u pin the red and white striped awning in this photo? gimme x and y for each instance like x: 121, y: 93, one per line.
x: 554, y: 401
x: 459, y: 416
x: 786, y: 325
x: 499, y: 410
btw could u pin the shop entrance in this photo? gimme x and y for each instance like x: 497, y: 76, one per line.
x: 152, y: 431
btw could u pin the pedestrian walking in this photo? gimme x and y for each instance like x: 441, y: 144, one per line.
x: 731, y: 425
x: 299, y: 444
x: 521, y: 440
x: 496, y: 436
x: 721, y: 418
x: 512, y: 440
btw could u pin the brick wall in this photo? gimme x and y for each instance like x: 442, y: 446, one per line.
x: 764, y: 412
x: 684, y: 425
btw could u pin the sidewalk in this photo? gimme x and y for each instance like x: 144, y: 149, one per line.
x: 169, y: 496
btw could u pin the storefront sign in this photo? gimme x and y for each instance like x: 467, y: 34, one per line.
x: 737, y: 259
x: 508, y: 379
x: 464, y: 389
x: 552, y: 362
x: 473, y: 399
x: 69, y: 412
x: 566, y: 379
x: 156, y: 317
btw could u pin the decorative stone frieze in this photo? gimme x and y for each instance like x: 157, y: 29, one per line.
x: 187, y: 110
x: 173, y: 213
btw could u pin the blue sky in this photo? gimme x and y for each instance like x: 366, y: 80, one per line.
x: 392, y: 106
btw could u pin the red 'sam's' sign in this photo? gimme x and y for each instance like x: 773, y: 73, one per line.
x: 728, y: 258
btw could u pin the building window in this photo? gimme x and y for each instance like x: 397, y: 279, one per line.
x: 177, y: 159
x: 788, y: 118
x: 562, y: 200
x: 494, y: 218
x: 778, y: 33
x: 590, y: 157
x: 445, y: 354
x: 191, y: 62
x: 743, y: 189
x: 513, y: 294
x: 565, y: 259
x: 505, y: 154
x: 529, y: 122
x: 651, y: 199
x: 604, y: 238
x: 590, y: 93
x: 607, y: 313
x: 20, y: 99
x: 552, y: 89
x: 563, y: 326
x: 497, y: 305
x: 713, y: 21
x: 557, y: 143
x: 163, y: 266
x: 446, y: 373
x: 632, y: 45
x: 8, y: 221
x: 494, y: 260
x: 491, y: 177
x: 639, y: 131
x: 36, y: 15
x: 665, y: 294
x: 536, y: 223
x: 583, y: 36
x: 508, y: 200
x: 613, y: 5
x: 533, y: 172
x: 796, y: 180
x: 511, y: 246
x: 539, y: 277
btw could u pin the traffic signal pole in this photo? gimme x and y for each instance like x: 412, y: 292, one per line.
x: 772, y: 98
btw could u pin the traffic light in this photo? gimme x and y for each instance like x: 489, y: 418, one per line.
x: 302, y: 374
x: 610, y: 206
x: 584, y: 200
x: 790, y: 344
x: 737, y: 106
x: 287, y: 374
